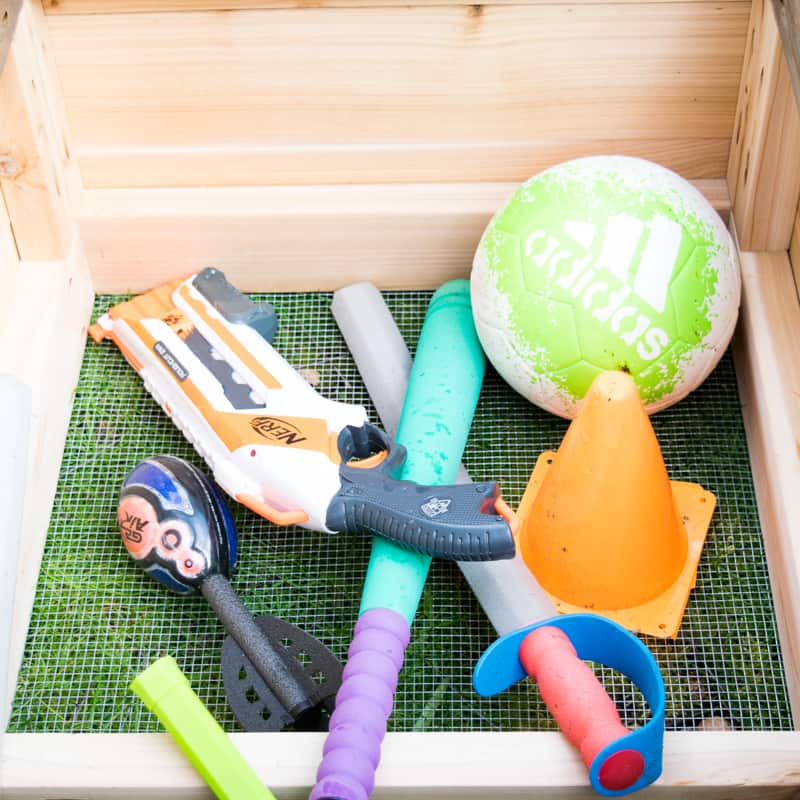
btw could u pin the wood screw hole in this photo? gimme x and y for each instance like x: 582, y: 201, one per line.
x: 9, y: 166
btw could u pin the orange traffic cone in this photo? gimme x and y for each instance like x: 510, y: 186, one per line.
x: 601, y: 525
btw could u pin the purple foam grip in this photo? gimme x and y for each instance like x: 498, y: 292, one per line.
x: 363, y: 705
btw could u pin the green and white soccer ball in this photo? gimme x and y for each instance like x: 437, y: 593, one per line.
x: 605, y: 263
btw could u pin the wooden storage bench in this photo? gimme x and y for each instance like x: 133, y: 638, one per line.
x: 300, y: 146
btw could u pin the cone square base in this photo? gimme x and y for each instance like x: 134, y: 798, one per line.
x: 662, y: 615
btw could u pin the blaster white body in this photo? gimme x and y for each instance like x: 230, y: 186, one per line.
x: 279, y: 456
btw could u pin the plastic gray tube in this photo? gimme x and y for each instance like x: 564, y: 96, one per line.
x: 507, y: 591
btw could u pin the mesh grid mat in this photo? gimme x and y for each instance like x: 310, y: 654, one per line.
x: 98, y: 620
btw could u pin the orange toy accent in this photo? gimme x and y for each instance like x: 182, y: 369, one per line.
x: 290, y: 517
x: 370, y: 461
x: 602, y: 526
x: 507, y: 513
x: 154, y: 304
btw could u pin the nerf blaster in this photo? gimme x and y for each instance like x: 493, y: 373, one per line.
x: 204, y: 351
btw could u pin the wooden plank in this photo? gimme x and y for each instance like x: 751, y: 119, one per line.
x: 14, y: 419
x: 32, y: 192
x: 41, y: 344
x: 47, y: 293
x: 764, y: 168
x: 295, y: 238
x: 9, y: 256
x: 414, y: 94
x: 39, y: 300
x: 9, y: 11
x: 787, y: 13
x: 275, y: 165
x: 15, y: 400
x: 794, y: 251
x: 127, y: 6
x: 767, y: 352
x: 423, y: 766
x: 38, y: 178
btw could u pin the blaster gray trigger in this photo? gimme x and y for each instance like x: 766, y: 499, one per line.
x: 466, y: 522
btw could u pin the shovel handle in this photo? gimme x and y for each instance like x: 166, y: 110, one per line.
x: 580, y: 705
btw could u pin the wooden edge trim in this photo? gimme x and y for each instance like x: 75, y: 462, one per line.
x: 139, y: 6
x: 413, y: 236
x: 787, y: 12
x: 9, y: 13
x: 768, y: 373
x: 425, y: 766
x: 41, y: 345
x: 764, y: 162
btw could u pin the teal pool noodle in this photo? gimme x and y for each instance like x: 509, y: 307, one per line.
x: 443, y: 390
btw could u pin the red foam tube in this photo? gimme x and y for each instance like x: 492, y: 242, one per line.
x: 580, y: 705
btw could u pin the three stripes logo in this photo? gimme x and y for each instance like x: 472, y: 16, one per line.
x: 622, y: 279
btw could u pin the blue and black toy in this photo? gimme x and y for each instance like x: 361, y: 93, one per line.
x: 177, y: 527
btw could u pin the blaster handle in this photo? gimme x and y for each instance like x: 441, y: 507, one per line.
x: 467, y: 522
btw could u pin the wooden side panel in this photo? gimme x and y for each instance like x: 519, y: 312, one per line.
x: 397, y: 94
x: 9, y: 257
x: 295, y: 238
x: 32, y: 192
x: 794, y: 251
x: 126, y: 6
x: 9, y: 260
x: 15, y: 400
x: 423, y: 766
x: 46, y: 292
x: 41, y: 344
x: 38, y: 178
x: 768, y: 370
x: 764, y: 168
x: 788, y: 16
x: 9, y: 11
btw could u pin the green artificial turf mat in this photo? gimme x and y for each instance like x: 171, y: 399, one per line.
x: 98, y: 620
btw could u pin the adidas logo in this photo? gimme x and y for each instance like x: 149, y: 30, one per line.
x: 638, y: 256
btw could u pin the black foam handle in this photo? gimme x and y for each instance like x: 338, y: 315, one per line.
x: 261, y: 653
x: 454, y: 522
x: 460, y: 522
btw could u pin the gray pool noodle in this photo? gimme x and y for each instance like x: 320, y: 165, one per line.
x: 507, y: 591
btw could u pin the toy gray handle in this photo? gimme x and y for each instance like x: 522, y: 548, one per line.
x: 463, y: 523
x: 261, y: 653
x: 363, y: 705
